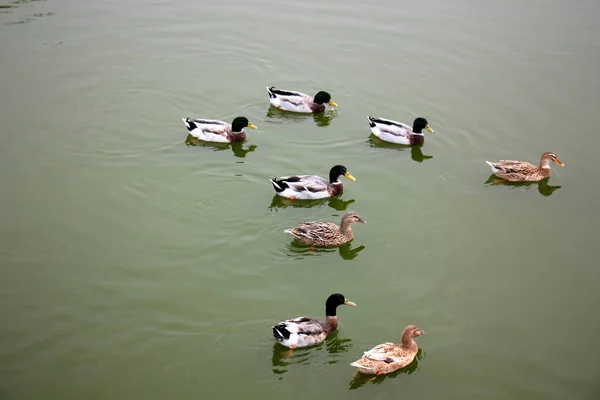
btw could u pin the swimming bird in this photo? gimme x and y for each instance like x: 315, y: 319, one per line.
x: 326, y: 233
x: 397, y: 132
x: 211, y: 130
x: 311, y: 186
x: 290, y: 100
x: 389, y: 357
x: 521, y: 171
x: 305, y: 331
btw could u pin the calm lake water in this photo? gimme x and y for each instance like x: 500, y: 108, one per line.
x: 136, y: 267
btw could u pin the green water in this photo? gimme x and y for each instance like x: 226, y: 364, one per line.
x: 136, y: 267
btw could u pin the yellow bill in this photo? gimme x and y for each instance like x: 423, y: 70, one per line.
x: 428, y: 129
x: 252, y: 126
x: 332, y: 103
x: 347, y: 175
x: 349, y: 303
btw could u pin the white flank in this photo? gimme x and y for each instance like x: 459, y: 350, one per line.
x: 304, y: 195
x: 391, y: 133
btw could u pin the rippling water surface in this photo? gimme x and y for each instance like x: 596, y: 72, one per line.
x: 134, y: 266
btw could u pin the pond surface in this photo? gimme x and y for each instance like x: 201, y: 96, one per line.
x: 136, y: 267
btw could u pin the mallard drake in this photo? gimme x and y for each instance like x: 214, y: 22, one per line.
x: 326, y: 233
x: 389, y: 357
x: 290, y: 100
x: 211, y: 130
x: 305, y: 331
x: 521, y: 171
x: 397, y: 132
x: 311, y: 186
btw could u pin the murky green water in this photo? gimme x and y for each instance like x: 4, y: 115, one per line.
x: 134, y: 266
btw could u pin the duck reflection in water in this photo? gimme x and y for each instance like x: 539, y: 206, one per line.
x: 237, y: 147
x: 321, y: 119
x: 301, y: 250
x: 543, y: 187
x: 334, y: 202
x: 415, y: 151
x: 333, y: 343
x: 359, y: 380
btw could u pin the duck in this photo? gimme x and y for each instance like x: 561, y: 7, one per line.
x: 326, y: 233
x: 397, y: 132
x: 389, y: 357
x: 311, y: 186
x: 521, y: 171
x: 212, y: 130
x: 305, y: 331
x: 290, y: 100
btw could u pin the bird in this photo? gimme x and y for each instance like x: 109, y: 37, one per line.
x: 521, y: 171
x: 389, y: 357
x: 290, y: 100
x: 211, y: 130
x: 311, y: 186
x: 326, y: 233
x: 397, y: 132
x: 305, y: 331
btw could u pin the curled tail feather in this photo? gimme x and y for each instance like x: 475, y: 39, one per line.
x: 190, y: 125
x: 280, y: 332
x: 276, y: 185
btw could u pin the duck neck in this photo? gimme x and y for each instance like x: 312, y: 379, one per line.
x: 345, y: 227
x: 408, y: 342
x: 544, y: 163
x: 334, y: 179
x: 331, y: 320
x: 331, y: 323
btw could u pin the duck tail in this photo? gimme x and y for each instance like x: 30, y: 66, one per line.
x: 371, y: 121
x: 190, y: 125
x: 277, y: 335
x: 270, y: 90
x: 276, y: 186
x: 280, y: 333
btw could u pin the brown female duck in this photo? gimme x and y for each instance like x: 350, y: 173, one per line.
x: 521, y: 171
x: 389, y: 357
x: 326, y: 233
